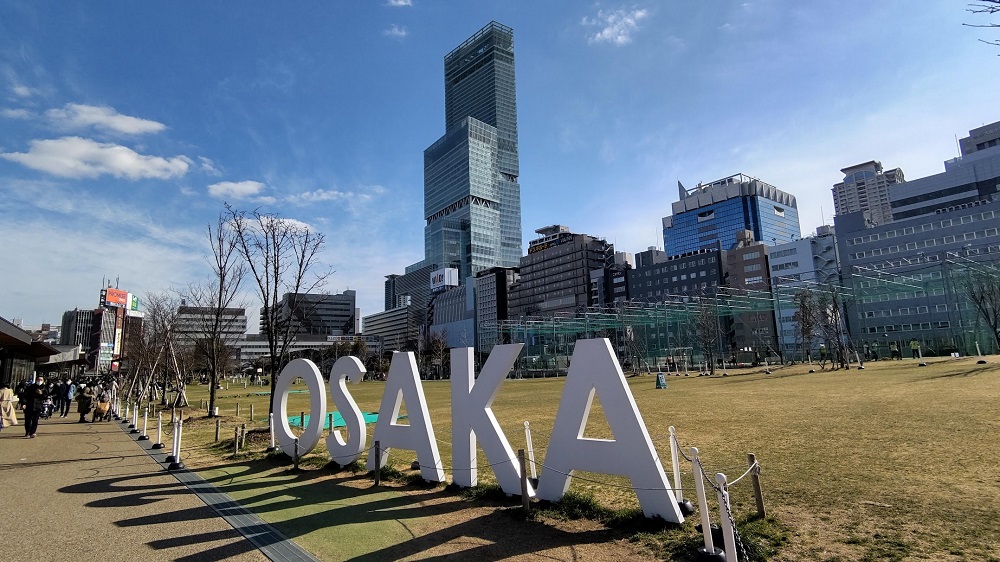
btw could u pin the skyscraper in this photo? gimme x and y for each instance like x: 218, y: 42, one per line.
x: 866, y: 188
x: 472, y: 200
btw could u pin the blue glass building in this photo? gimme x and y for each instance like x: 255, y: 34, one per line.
x: 472, y: 200
x: 711, y: 215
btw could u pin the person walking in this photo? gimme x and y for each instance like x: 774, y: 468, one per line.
x: 68, y: 397
x: 34, y: 398
x: 822, y: 356
x: 8, y: 413
x: 85, y: 401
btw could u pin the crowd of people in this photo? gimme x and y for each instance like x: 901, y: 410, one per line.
x: 40, y: 399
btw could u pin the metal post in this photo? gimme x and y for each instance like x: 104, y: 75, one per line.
x: 725, y: 516
x: 243, y: 435
x: 755, y: 480
x: 296, y: 453
x: 329, y: 419
x: 524, y: 482
x: 237, y: 409
x: 236, y: 441
x: 218, y: 427
x: 302, y: 419
x: 251, y: 412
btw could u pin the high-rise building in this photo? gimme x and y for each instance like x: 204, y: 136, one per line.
x: 710, y: 215
x: 555, y: 275
x: 472, y: 199
x: 980, y: 138
x: 76, y: 327
x: 866, y: 188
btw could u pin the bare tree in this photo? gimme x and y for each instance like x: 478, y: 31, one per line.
x: 706, y: 329
x: 982, y: 287
x: 807, y: 319
x: 158, y: 328
x: 282, y: 255
x: 831, y: 324
x: 988, y: 7
x: 215, y: 311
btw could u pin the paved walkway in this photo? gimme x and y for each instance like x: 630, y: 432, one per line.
x: 89, y: 491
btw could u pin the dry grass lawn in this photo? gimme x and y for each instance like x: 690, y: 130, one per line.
x: 895, y: 462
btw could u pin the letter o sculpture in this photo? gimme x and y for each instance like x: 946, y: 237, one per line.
x: 309, y: 373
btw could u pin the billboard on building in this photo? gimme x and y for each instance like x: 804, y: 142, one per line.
x: 114, y: 297
x: 133, y: 302
x: 443, y: 278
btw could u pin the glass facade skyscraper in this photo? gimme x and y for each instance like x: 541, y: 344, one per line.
x: 472, y: 200
x: 712, y: 215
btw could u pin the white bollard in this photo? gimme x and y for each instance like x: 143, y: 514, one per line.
x: 725, y: 516
x: 159, y: 431
x: 678, y: 493
x: 699, y: 486
x: 145, y: 424
x: 270, y: 425
x: 531, y: 449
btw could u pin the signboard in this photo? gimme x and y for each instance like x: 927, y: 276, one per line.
x: 115, y: 297
x: 443, y: 278
x: 594, y: 372
x: 133, y: 302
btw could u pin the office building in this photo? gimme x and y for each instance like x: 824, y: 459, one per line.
x: 317, y: 314
x: 453, y: 316
x: 906, y: 276
x: 492, y: 289
x: 866, y: 188
x: 555, y: 275
x: 809, y: 263
x: 397, y: 328
x: 686, y: 275
x: 472, y: 201
x: 749, y: 287
x: 980, y: 138
x: 710, y: 215
x: 76, y: 327
x: 967, y: 181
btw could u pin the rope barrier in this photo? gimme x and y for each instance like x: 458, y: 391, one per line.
x: 753, y: 467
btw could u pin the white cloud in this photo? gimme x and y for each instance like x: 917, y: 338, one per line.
x: 22, y: 91
x: 208, y: 167
x: 16, y: 114
x: 616, y: 26
x: 76, y: 157
x: 78, y: 116
x: 396, y: 32
x: 399, y: 3
x: 355, y: 203
x: 235, y: 190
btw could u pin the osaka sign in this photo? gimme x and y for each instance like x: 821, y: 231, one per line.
x: 594, y: 371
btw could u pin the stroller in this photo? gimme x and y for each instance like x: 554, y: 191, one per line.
x: 47, y: 408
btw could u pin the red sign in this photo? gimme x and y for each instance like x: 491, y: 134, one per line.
x: 116, y: 297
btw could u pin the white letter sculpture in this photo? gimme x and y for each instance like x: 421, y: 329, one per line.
x: 472, y: 417
x: 317, y: 406
x: 595, y: 369
x: 403, y: 381
x: 344, y: 452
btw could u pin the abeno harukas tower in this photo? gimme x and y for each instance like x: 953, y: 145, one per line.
x: 472, y: 199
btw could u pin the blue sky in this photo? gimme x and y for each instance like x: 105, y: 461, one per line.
x: 125, y: 126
